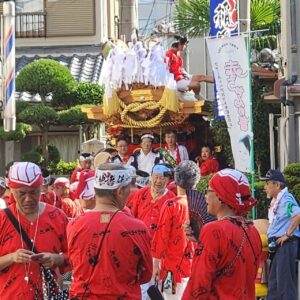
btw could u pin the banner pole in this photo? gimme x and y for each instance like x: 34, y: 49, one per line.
x: 254, y: 212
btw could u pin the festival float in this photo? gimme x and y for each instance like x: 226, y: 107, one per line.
x: 141, y: 97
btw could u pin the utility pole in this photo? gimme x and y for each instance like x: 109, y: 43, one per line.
x: 128, y: 18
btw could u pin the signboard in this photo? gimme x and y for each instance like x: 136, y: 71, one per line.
x: 223, y: 22
x: 229, y: 59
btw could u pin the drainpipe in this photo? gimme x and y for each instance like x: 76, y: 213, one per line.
x: 294, y: 51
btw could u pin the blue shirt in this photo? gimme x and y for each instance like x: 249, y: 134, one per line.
x: 285, y: 209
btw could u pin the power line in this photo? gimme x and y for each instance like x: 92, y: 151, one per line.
x: 152, y: 8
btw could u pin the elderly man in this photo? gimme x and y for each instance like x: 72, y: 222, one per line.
x: 226, y: 259
x: 172, y: 251
x: 145, y: 158
x: 283, y: 235
x: 147, y: 202
x: 32, y: 233
x: 109, y: 249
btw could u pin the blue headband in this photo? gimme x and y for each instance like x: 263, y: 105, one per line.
x: 160, y: 169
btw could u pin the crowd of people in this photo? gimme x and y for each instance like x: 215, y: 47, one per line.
x: 121, y: 227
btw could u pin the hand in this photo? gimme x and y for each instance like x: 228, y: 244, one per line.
x: 282, y: 239
x: 156, y: 269
x: 21, y: 256
x: 51, y: 259
x: 189, y: 232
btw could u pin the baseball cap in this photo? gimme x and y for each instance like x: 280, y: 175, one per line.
x: 274, y: 175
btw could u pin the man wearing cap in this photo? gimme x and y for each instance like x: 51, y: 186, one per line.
x: 227, y: 256
x: 108, y: 248
x: 283, y: 235
x: 69, y: 204
x: 85, y: 162
x: 185, y: 81
x: 145, y: 158
x: 172, y: 251
x: 45, y: 226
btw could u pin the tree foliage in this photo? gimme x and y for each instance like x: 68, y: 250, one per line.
x: 19, y: 134
x: 192, y: 17
x: 72, y: 116
x: 40, y: 115
x: 45, y: 76
x: 83, y: 93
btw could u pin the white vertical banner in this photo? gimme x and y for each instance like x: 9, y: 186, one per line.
x: 229, y: 59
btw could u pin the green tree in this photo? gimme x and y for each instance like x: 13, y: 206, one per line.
x: 192, y: 16
x: 43, y: 76
x: 83, y: 93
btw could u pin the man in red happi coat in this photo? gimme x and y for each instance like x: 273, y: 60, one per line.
x: 172, y: 251
x: 45, y: 225
x: 147, y: 202
x: 109, y: 248
x: 227, y: 256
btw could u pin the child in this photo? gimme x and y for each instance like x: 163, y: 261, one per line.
x: 207, y: 163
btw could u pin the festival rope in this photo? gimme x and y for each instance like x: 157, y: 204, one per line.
x: 134, y: 107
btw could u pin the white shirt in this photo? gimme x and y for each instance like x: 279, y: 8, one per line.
x: 145, y: 162
x: 182, y: 152
x: 2, y: 204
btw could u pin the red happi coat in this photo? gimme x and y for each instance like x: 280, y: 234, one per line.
x: 219, y: 243
x: 125, y: 260
x: 144, y: 209
x: 50, y: 237
x: 170, y: 244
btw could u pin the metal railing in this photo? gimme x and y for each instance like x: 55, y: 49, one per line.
x: 30, y: 25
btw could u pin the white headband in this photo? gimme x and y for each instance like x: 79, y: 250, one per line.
x: 142, y: 181
x: 111, y: 179
x: 149, y: 136
x: 82, y: 158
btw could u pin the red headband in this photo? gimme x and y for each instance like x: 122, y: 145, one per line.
x: 232, y: 187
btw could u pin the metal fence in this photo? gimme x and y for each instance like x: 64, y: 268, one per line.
x: 30, y: 25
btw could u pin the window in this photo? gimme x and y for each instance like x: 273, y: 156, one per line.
x: 29, y: 6
x: 30, y: 18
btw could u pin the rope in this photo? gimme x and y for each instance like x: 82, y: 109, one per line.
x: 134, y: 107
x: 165, y: 124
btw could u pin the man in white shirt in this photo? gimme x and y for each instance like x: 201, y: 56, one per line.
x: 176, y: 151
x: 145, y: 158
